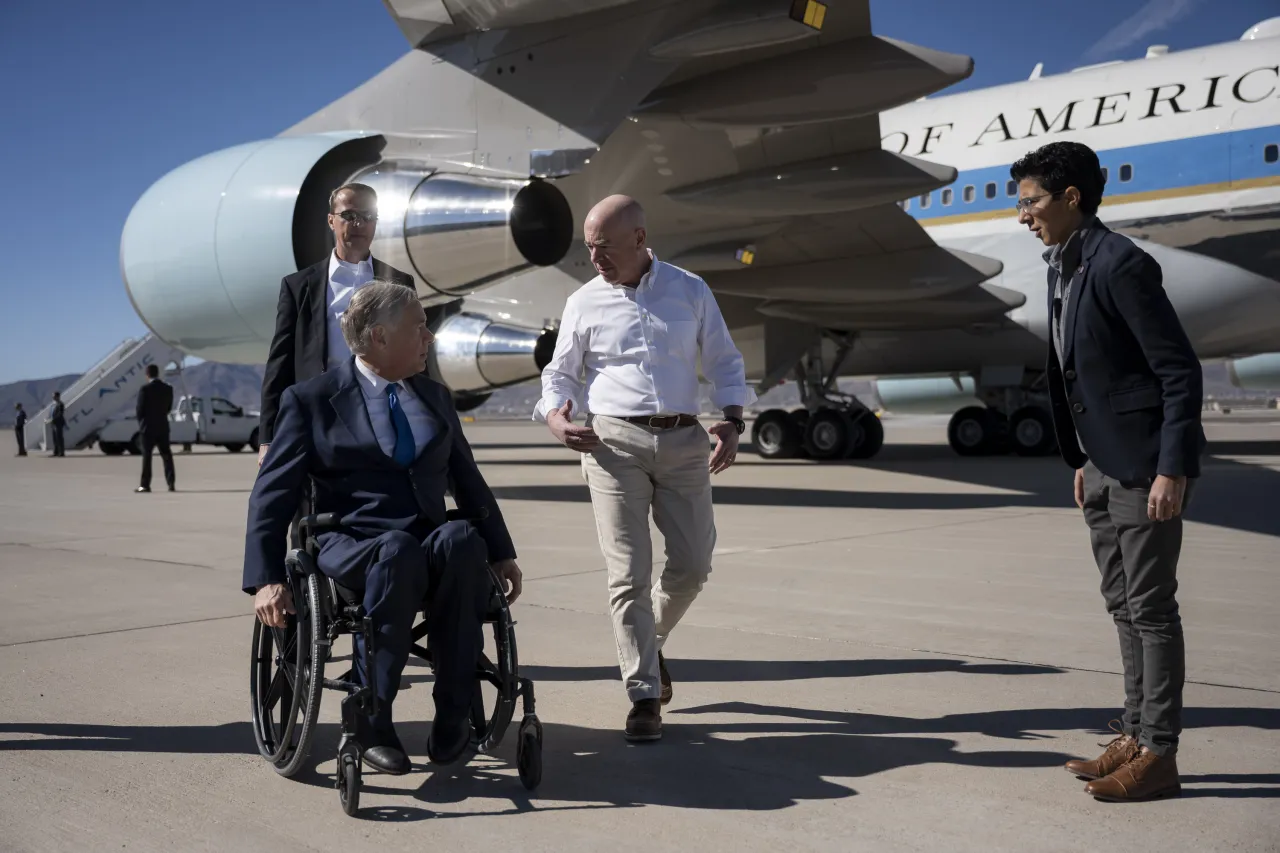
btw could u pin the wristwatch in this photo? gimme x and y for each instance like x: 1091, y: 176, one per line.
x: 738, y: 423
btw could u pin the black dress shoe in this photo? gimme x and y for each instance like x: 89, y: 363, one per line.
x: 142, y: 490
x: 448, y: 740
x: 387, y: 759
x: 644, y: 722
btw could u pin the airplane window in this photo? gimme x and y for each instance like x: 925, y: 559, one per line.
x: 946, y: 197
x: 926, y: 200
x: 902, y: 204
x: 1011, y: 189
x: 1106, y: 173
x: 969, y: 193
x: 1271, y: 153
x: 1126, y: 173
x: 991, y: 189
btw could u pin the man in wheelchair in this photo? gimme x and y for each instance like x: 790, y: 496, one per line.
x: 378, y: 444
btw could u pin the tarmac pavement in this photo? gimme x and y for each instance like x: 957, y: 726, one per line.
x: 891, y: 655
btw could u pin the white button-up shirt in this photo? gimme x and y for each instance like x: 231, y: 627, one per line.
x: 624, y: 352
x: 374, y: 388
x: 344, y: 280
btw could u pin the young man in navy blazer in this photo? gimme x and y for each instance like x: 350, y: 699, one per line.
x: 381, y: 443
x: 1126, y: 391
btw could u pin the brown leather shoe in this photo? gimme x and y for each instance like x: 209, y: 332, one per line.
x: 644, y: 721
x: 665, y: 677
x: 1146, y: 776
x: 1119, y: 751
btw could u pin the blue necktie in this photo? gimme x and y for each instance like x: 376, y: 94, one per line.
x: 405, y: 449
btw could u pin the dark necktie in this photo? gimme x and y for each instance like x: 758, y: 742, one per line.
x: 405, y: 450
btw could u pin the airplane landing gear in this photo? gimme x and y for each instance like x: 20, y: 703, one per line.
x: 979, y: 431
x: 833, y: 425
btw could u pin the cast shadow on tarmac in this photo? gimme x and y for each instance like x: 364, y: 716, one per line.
x: 1230, y: 494
x: 785, y: 756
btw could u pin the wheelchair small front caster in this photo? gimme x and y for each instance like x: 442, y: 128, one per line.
x: 349, y: 782
x: 529, y: 752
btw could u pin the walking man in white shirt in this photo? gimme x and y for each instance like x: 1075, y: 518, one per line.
x: 627, y: 356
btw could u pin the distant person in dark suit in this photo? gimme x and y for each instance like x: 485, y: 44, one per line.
x: 1126, y: 392
x: 308, y: 336
x: 155, y: 401
x: 57, y: 423
x: 19, y: 427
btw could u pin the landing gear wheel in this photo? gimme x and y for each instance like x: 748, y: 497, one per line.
x: 1031, y: 431
x: 972, y: 431
x: 529, y: 753
x: 866, y: 435
x: 775, y: 435
x: 349, y: 783
x: 828, y: 434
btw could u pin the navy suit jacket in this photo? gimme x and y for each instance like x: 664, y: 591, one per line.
x: 324, y: 436
x: 1132, y: 385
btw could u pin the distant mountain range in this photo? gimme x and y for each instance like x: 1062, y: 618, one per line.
x: 242, y: 385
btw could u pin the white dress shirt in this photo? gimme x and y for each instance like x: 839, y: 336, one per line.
x: 624, y: 351
x: 421, y: 422
x: 344, y: 280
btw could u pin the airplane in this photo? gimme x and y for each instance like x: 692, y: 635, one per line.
x: 849, y: 223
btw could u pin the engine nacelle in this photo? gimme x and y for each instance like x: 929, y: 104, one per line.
x: 474, y: 354
x: 926, y: 395
x: 205, y: 247
x: 1257, y: 372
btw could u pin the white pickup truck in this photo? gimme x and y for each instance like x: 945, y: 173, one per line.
x: 194, y: 420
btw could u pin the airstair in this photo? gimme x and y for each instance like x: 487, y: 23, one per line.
x: 109, y: 388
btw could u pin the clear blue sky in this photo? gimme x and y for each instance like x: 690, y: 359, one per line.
x: 102, y: 98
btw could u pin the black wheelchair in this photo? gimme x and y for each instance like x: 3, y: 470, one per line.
x: 287, y: 673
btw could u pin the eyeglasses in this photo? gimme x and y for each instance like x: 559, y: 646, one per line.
x: 1027, y: 203
x: 355, y: 217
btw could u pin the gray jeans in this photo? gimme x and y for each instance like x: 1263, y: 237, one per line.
x: 1138, y: 560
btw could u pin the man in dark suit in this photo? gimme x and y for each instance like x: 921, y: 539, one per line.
x: 1126, y: 390
x: 155, y: 401
x: 20, y: 427
x: 307, y: 339
x: 57, y: 423
x: 381, y: 443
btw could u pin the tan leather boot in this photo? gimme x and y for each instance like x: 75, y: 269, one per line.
x: 1118, y: 751
x: 1146, y: 776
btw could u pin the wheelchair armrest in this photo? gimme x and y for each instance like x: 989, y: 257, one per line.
x: 467, y: 514
x: 319, y: 523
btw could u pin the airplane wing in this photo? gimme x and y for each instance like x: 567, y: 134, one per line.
x: 750, y: 133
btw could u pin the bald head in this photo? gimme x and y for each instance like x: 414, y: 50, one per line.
x: 615, y: 235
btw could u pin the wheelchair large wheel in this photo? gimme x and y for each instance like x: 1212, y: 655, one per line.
x: 285, y: 680
x: 502, y: 674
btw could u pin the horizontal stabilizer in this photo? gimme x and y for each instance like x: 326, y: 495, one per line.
x: 828, y: 185
x: 984, y: 303
x: 847, y: 79
x: 892, y: 277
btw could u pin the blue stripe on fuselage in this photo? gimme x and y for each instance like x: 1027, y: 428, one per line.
x: 1195, y: 161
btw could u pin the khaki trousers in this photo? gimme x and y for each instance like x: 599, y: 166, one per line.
x: 636, y: 468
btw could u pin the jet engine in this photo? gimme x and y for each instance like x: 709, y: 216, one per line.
x: 474, y: 354
x: 1257, y: 372
x: 925, y: 395
x: 205, y: 247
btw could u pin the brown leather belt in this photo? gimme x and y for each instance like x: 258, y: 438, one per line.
x: 662, y: 421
